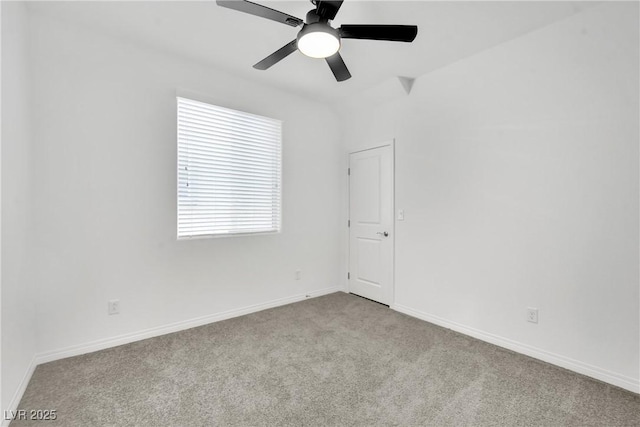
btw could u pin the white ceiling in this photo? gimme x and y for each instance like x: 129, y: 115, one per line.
x: 233, y: 41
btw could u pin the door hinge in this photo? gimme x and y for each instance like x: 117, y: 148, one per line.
x: 348, y: 276
x: 349, y: 171
x: 348, y: 223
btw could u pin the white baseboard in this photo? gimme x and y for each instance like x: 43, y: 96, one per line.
x: 609, y: 377
x: 17, y: 396
x: 92, y: 346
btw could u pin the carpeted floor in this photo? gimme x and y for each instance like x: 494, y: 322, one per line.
x: 333, y: 360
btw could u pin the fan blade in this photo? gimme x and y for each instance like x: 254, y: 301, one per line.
x: 338, y: 67
x: 394, y: 33
x: 261, y: 11
x: 277, y: 56
x: 328, y: 9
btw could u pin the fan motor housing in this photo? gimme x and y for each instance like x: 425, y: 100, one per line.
x: 312, y: 17
x: 318, y: 27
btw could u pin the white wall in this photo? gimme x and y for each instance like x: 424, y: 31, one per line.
x: 18, y: 313
x: 105, y: 198
x: 517, y: 169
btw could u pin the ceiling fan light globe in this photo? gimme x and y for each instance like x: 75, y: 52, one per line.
x: 318, y: 41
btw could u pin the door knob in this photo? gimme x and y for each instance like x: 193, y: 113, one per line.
x: 382, y: 233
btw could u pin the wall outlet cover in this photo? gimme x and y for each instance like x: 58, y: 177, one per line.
x: 113, y: 306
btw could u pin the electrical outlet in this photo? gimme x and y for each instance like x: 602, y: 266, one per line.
x: 298, y: 274
x: 114, y: 306
x: 532, y: 315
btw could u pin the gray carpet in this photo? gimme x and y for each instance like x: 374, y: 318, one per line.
x: 333, y: 360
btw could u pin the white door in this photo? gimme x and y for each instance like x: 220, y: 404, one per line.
x: 371, y: 224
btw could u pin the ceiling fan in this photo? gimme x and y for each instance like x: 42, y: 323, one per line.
x: 317, y: 38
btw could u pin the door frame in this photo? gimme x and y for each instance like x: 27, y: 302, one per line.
x: 388, y: 143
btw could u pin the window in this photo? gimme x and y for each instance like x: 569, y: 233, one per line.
x: 228, y: 171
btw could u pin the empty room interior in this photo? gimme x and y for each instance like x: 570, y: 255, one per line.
x: 322, y: 213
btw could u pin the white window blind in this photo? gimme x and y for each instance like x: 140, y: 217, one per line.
x: 229, y: 168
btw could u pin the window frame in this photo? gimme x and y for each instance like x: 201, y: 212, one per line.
x: 279, y: 152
